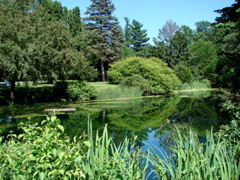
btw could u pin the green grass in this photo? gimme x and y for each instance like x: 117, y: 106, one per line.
x: 112, y: 91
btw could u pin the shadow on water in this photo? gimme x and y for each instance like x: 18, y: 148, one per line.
x: 149, y: 118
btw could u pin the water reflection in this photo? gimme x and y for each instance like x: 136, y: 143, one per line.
x: 151, y: 119
x: 129, y: 118
x: 140, y: 117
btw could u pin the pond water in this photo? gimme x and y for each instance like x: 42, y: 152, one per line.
x: 151, y: 119
x: 142, y: 116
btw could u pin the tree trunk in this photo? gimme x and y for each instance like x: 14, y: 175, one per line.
x: 103, y: 71
x: 12, y: 96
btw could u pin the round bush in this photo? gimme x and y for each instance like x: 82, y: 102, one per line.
x: 80, y: 91
x: 160, y: 77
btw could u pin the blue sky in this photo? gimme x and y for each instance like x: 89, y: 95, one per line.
x: 153, y: 14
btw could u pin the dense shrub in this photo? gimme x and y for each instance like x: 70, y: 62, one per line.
x: 160, y: 77
x: 183, y: 73
x: 74, y: 91
x: 80, y: 91
x: 136, y: 81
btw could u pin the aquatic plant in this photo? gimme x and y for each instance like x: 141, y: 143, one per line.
x: 190, y: 159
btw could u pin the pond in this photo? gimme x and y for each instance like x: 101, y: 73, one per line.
x: 151, y: 119
x: 146, y: 117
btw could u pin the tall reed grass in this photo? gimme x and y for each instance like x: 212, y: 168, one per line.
x: 191, y: 159
x: 111, y: 93
x: 106, y: 160
x: 204, y: 84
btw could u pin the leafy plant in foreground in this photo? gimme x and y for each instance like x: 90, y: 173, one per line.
x: 44, y: 152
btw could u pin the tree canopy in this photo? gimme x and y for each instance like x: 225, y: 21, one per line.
x: 37, y: 42
x: 104, y: 33
x: 42, y: 40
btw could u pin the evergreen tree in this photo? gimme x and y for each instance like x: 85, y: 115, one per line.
x: 104, y: 33
x: 179, y: 46
x: 203, y: 30
x: 227, y: 37
x: 127, y: 32
x: 127, y: 51
x: 139, y: 37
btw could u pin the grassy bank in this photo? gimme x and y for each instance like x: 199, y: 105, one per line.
x: 112, y: 91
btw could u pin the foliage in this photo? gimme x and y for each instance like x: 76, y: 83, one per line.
x: 183, y: 73
x: 155, y: 71
x: 136, y: 81
x: 138, y: 37
x: 104, y: 34
x: 122, y: 92
x: 173, y: 46
x: 37, y: 43
x: 40, y: 152
x: 189, y: 158
x: 125, y: 162
x: 44, y: 152
x: 204, y: 84
x: 203, y: 59
x: 75, y: 91
x: 203, y: 31
x: 80, y: 91
x: 227, y: 39
x: 61, y: 91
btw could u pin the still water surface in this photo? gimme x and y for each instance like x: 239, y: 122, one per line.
x: 151, y: 119
x: 147, y: 117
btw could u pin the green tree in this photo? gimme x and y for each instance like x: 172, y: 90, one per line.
x: 203, y: 30
x: 56, y: 51
x: 228, y: 40
x: 163, y: 41
x: 173, y: 45
x: 183, y: 73
x: 36, y: 42
x: 104, y: 33
x: 127, y: 32
x: 139, y: 37
x: 203, y: 59
x: 127, y: 51
x: 16, y: 35
x: 179, y: 47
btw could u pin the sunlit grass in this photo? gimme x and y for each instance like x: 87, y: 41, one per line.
x: 112, y: 91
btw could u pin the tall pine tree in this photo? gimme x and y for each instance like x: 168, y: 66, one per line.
x: 139, y: 37
x: 104, y: 32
